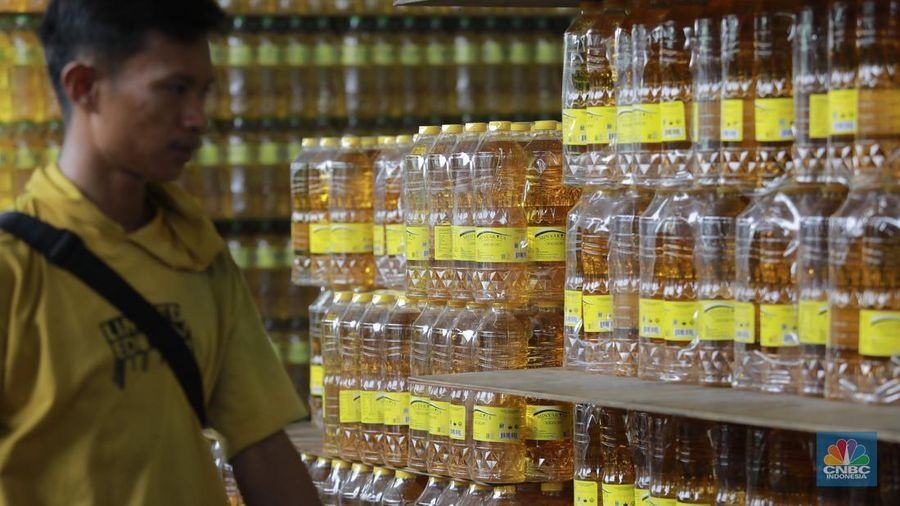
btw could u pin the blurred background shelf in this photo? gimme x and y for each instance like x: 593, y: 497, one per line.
x: 714, y: 404
x: 486, y: 3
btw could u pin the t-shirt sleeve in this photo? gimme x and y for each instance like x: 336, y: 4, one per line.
x: 252, y: 396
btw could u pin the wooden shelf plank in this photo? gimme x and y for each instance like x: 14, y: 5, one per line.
x: 486, y: 3
x: 715, y: 404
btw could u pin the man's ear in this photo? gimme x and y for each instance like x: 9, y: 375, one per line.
x: 79, y: 80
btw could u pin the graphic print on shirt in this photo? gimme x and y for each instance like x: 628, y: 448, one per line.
x: 130, y: 346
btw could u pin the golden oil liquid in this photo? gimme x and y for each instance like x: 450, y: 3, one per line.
x: 297, y: 46
x: 273, y: 85
x: 349, y: 437
x: 390, y: 265
x: 371, y: 364
x: 790, y: 468
x: 463, y: 360
x: 350, y: 203
x: 437, y: 445
x: 317, y: 311
x: 319, y: 226
x: 300, y: 211
x: 863, y: 232
x: 404, y: 490
x: 696, y: 481
x: 439, y: 186
x: 463, y: 203
x: 547, y: 203
x: 331, y: 358
x: 419, y: 365
x: 394, y: 351
x: 618, y: 475
x: 416, y: 213
x: 730, y: 444
x: 586, y: 451
x: 242, y: 73
x: 664, y: 471
x: 500, y: 343
x: 843, y: 66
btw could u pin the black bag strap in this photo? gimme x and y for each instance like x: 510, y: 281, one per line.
x: 66, y: 250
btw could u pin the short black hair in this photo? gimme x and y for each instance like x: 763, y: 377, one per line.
x: 114, y: 30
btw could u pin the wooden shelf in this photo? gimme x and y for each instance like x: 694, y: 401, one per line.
x: 486, y: 3
x: 715, y: 404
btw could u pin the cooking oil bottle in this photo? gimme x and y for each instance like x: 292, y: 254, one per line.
x: 411, y: 47
x: 437, y: 449
x: 437, y: 63
x: 371, y: 364
x: 317, y: 311
x: 352, y: 488
x: 553, y: 493
x: 503, y: 495
x: 587, y: 455
x: 862, y: 348
x: 385, y: 85
x: 432, y: 491
x: 790, y: 470
x: 404, y: 490
x: 618, y: 472
x: 298, y: 44
x: 639, y: 438
x: 241, y: 69
x: 416, y: 212
x: 573, y: 325
x: 26, y: 73
x: 588, y: 84
x: 389, y: 229
x: 462, y: 219
x: 663, y: 464
x: 319, y: 225
x: 547, y: 204
x: 331, y: 105
x: 319, y: 473
x: 695, y: 481
x: 493, y: 66
x: 349, y: 437
x: 730, y: 444
x: 439, y: 187
x: 395, y: 391
x: 373, y: 491
x: 475, y: 495
x: 331, y: 489
x: 452, y: 493
x: 300, y: 210
x: 270, y: 59
x: 350, y: 217
x: 466, y: 58
x: 331, y: 359
x: 357, y: 74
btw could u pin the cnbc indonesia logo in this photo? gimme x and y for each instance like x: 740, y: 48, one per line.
x: 846, y: 461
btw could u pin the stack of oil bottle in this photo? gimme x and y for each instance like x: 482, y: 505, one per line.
x: 355, y: 7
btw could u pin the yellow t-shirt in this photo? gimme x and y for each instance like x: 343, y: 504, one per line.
x: 89, y: 413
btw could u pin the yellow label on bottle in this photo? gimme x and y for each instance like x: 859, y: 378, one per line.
x: 436, y: 54
x: 209, y: 155
x: 519, y: 52
x: 650, y: 312
x: 463, y: 243
x: 572, y: 308
x: 319, y: 238
x: 586, y: 493
x: 26, y: 158
x: 843, y: 110
x: 368, y: 409
x: 661, y: 501
x: 418, y: 243
x: 695, y: 120
x: 352, y: 238
x: 443, y: 242
x: 673, y: 125
x: 316, y: 380
x: 575, y: 127
x: 548, y: 423
x: 298, y: 55
x: 501, y: 245
x: 268, y: 55
x: 774, y: 119
x: 496, y: 425
x: 325, y: 55
x: 378, y: 240
x: 546, y: 244
x: 465, y: 53
x: 383, y: 53
x: 879, y: 333
x: 744, y: 322
x: 818, y: 116
x: 239, y: 154
x: 679, y: 320
x: 354, y: 55
x: 492, y: 52
x: 419, y: 412
x: 348, y: 404
x: 716, y: 320
x: 270, y: 153
x: 641, y: 496
x: 396, y: 408
x: 395, y: 239
x: 597, y: 313
x: 410, y: 54
x: 679, y: 503
x: 732, y: 120
x: 648, y: 121
x: 813, y: 321
x: 457, y: 422
x: 602, y: 124
x: 240, y: 55
x: 778, y: 325
x: 439, y: 418
x: 617, y: 495
x: 243, y: 256
x: 627, y: 127
x: 272, y: 256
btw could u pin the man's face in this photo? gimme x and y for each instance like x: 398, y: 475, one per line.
x: 150, y: 112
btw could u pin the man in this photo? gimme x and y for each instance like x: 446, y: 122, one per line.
x: 90, y: 413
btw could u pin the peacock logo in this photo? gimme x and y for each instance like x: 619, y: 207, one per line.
x: 846, y: 460
x: 846, y: 452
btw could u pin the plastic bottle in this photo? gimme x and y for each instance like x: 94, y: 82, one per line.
x: 695, y: 481
x: 462, y: 401
x: 420, y: 364
x: 494, y: 70
x: 395, y: 393
x: 862, y: 350
x: 349, y: 437
x: 331, y: 489
x: 298, y: 57
x: 389, y: 231
x: 463, y: 211
x: 319, y: 473
x: 242, y: 76
x: 466, y: 61
x: 475, y: 495
x: 587, y: 455
x: 432, y: 492
x: 270, y: 163
x: 411, y: 47
x: 639, y: 439
x: 319, y: 224
x: 437, y: 445
x: 300, y: 210
x: 350, y: 216
x: 553, y: 493
x: 439, y: 187
x: 416, y: 213
x: 618, y: 472
x: 331, y: 112
x: 573, y: 330
x: 520, y: 64
x: 385, y: 82
x: 357, y: 74
x: 730, y: 445
x: 437, y: 65
x: 373, y: 490
x: 452, y: 493
x: 662, y: 451
x: 26, y: 73
x: 331, y: 353
x: 781, y: 469
x: 403, y: 490
x: 351, y: 490
x: 244, y: 181
x: 270, y: 58
x: 503, y: 495
x: 371, y: 365
x: 317, y: 311
x: 547, y: 204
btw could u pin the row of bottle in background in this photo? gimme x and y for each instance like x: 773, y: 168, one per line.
x: 25, y: 146
x: 25, y: 91
x: 716, y: 241
x: 387, y: 74
x: 356, y: 7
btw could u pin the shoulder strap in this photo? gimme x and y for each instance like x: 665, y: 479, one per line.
x: 67, y: 251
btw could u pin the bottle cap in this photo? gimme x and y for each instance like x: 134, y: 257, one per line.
x: 452, y: 129
x: 521, y: 126
x: 361, y: 468
x: 476, y: 127
x: 384, y: 140
x: 383, y: 297
x: 545, y: 125
x: 368, y: 141
x: 342, y: 296
x: 340, y: 464
x: 505, y: 489
x: 429, y: 130
x: 381, y: 471
x: 350, y: 141
x: 404, y: 139
x: 361, y: 298
x: 330, y: 142
x: 551, y: 486
x: 322, y: 460
x: 499, y: 126
x: 309, y: 142
x: 404, y: 475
